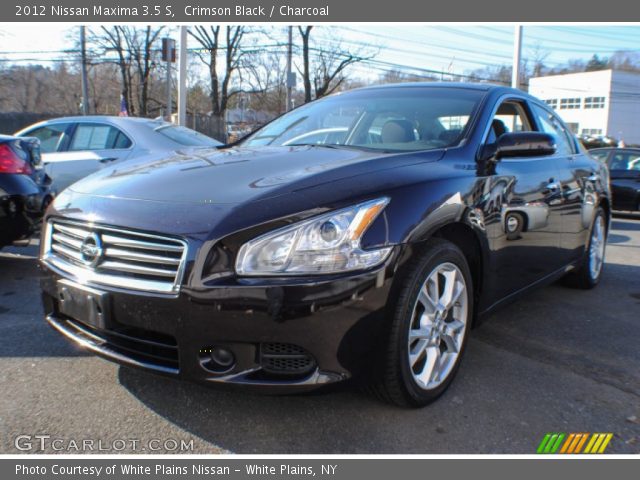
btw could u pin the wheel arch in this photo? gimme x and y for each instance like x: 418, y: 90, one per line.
x: 606, y: 205
x: 466, y: 239
x: 473, y: 246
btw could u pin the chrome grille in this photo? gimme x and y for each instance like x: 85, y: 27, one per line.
x: 115, y: 257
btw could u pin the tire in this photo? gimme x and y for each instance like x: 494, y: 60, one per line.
x: 411, y: 380
x: 588, y: 273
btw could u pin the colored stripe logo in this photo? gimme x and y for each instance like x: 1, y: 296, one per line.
x: 574, y: 443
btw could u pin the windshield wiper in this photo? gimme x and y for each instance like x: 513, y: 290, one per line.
x: 324, y: 145
x: 340, y: 146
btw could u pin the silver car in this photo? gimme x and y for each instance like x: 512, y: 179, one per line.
x: 74, y: 147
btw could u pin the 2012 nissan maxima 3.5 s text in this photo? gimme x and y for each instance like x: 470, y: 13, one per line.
x: 360, y: 235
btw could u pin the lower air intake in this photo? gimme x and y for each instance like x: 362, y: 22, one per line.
x: 285, y: 359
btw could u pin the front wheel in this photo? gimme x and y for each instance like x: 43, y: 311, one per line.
x: 429, y: 328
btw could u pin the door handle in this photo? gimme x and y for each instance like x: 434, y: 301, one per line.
x: 107, y: 160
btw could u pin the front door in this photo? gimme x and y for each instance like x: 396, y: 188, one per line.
x: 524, y: 205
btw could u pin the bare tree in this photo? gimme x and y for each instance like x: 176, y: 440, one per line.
x: 112, y: 39
x: 265, y: 74
x: 537, y: 56
x: 397, y: 76
x: 213, y: 49
x: 134, y: 49
x: 140, y: 46
x: 625, y: 60
x: 38, y: 89
x: 327, y: 72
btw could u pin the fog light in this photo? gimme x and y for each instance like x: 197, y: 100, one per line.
x: 217, y: 359
x: 222, y: 357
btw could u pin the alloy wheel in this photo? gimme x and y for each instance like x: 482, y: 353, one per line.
x: 596, y: 250
x: 438, y: 326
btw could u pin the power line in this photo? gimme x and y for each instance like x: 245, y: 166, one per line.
x: 596, y: 49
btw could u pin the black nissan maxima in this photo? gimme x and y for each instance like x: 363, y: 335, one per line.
x: 360, y: 235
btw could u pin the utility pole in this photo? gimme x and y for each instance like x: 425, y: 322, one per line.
x: 169, y: 56
x: 291, y: 79
x: 169, y: 100
x: 182, y: 78
x: 517, y: 54
x: 85, y: 80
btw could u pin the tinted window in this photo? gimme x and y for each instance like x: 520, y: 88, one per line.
x: 95, y: 136
x: 393, y: 119
x: 187, y: 137
x: 625, y: 161
x: 549, y: 123
x: 122, y: 141
x: 51, y: 137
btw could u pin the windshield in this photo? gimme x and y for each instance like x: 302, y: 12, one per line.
x: 187, y: 137
x: 391, y: 119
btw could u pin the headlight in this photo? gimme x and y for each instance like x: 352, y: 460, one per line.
x: 328, y: 243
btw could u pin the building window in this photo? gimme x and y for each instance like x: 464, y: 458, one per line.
x: 573, y: 127
x: 591, y: 131
x: 569, y: 103
x: 552, y: 102
x: 594, y: 102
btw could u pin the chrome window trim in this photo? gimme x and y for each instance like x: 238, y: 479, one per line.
x: 90, y: 277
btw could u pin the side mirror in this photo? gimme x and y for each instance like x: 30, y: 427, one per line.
x: 525, y: 144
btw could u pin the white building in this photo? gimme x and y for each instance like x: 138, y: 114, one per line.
x: 605, y: 102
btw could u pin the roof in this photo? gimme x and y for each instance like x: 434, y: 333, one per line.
x: 483, y: 87
x: 465, y: 85
x: 110, y: 118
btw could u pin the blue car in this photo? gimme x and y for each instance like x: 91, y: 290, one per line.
x: 25, y: 188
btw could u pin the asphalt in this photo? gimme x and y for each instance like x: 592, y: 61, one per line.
x: 559, y: 360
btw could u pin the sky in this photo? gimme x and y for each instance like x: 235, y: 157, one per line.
x: 449, y: 48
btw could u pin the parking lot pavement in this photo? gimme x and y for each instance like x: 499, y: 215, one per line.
x: 560, y: 360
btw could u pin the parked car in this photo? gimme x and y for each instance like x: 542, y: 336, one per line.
x: 25, y: 189
x: 624, y: 168
x: 286, y: 268
x: 598, y: 141
x: 74, y: 147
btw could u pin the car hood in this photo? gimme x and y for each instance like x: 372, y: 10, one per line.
x: 236, y: 175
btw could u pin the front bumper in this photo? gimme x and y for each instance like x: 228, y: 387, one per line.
x: 291, y: 336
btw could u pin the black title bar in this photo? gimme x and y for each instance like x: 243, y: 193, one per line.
x: 314, y: 11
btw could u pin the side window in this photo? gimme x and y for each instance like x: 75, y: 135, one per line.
x: 625, y: 161
x: 122, y: 141
x: 510, y: 117
x: 94, y: 136
x: 549, y: 123
x: 51, y: 137
x: 602, y: 156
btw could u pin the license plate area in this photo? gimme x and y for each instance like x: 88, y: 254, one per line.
x: 83, y: 304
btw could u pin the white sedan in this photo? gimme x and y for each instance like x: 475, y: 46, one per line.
x: 74, y: 147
